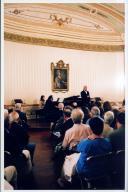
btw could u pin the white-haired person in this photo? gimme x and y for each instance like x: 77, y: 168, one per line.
x: 15, y: 142
x: 95, y: 112
x: 22, y: 115
x: 78, y: 132
x: 108, y: 119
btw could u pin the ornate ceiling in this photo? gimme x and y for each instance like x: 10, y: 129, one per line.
x: 98, y: 27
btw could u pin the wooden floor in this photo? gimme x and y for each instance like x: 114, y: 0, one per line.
x: 43, y: 175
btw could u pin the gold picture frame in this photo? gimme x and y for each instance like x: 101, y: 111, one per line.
x: 60, y: 76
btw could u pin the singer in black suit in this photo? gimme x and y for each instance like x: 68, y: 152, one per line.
x: 85, y: 97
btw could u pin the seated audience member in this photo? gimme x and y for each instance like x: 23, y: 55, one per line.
x: 107, y: 106
x: 95, y: 144
x: 49, y: 105
x: 99, y: 105
x: 85, y: 97
x: 57, y: 112
x: 10, y: 176
x: 49, y: 108
x: 15, y: 141
x: 117, y: 137
x: 86, y: 114
x: 63, y: 124
x: 122, y: 108
x: 78, y: 132
x: 17, y: 130
x: 108, y: 119
x: 95, y: 112
x: 42, y: 101
x: 22, y: 115
x: 115, y: 110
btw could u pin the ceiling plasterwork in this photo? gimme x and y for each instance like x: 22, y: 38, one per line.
x: 77, y: 26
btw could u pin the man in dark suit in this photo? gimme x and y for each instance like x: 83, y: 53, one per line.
x: 85, y: 97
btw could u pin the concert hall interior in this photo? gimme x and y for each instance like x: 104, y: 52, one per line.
x: 64, y: 96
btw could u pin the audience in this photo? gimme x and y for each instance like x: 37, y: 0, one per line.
x: 108, y: 119
x: 74, y: 128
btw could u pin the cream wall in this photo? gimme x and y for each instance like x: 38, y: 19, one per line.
x: 27, y: 72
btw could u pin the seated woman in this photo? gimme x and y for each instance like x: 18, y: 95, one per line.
x: 78, y: 132
x: 42, y: 101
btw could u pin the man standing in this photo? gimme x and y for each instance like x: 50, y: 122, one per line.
x: 85, y: 97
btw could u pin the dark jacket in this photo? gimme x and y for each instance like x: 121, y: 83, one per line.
x: 117, y: 139
x: 85, y: 97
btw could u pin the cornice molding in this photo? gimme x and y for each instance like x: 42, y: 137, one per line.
x: 62, y: 44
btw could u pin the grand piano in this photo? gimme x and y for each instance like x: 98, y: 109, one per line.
x: 70, y: 100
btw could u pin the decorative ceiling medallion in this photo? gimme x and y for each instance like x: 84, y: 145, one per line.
x: 62, y: 44
x: 16, y: 11
x: 60, y: 21
x: 93, y: 11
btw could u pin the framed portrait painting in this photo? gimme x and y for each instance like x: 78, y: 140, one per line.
x: 60, y: 76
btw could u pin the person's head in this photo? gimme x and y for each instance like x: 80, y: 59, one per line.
x: 18, y: 106
x: 6, y: 118
x: 42, y: 98
x: 6, y: 114
x: 98, y: 104
x: 58, y: 72
x: 50, y: 98
x: 67, y: 112
x: 107, y: 106
x: 74, y: 105
x: 120, y: 119
x: 95, y: 111
x: 123, y: 103
x: 13, y: 117
x: 77, y: 116
x: 85, y: 88
x: 108, y: 117
x: 96, y: 125
x: 60, y: 106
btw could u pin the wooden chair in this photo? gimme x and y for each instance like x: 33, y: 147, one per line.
x: 101, y: 166
x: 118, y: 170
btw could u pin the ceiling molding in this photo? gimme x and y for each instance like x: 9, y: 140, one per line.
x: 62, y: 44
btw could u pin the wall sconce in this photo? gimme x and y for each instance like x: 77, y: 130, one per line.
x: 60, y: 21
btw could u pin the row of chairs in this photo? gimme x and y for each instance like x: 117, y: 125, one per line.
x: 113, y: 176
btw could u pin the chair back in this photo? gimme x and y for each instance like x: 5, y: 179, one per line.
x: 118, y: 170
x: 100, y: 164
